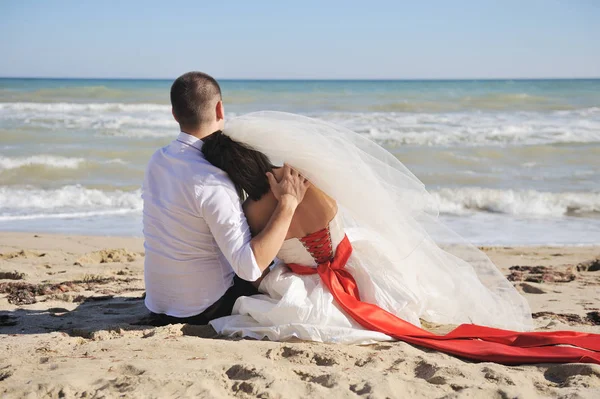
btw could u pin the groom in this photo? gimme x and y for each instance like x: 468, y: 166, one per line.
x: 200, y: 256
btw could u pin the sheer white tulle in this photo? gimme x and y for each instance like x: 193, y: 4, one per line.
x: 419, y: 268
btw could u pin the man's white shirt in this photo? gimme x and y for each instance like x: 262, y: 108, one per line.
x: 196, y: 234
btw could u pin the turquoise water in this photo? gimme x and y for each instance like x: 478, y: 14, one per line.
x: 323, y: 96
x: 511, y: 161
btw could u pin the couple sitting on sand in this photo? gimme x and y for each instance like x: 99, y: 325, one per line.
x: 281, y: 226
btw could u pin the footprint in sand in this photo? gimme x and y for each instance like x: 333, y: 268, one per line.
x: 6, y: 372
x: 574, y: 374
x: 321, y: 360
x: 242, y: 375
x: 244, y: 386
x: 22, y: 254
x: 289, y: 353
x: 128, y: 369
x: 109, y: 256
x: 495, y: 376
x: 326, y: 380
x: 425, y: 370
x: 239, y: 372
x: 394, y: 368
x: 300, y: 356
x: 362, y: 388
x: 362, y: 362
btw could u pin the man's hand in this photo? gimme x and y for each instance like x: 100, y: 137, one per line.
x: 291, y: 187
x: 289, y: 193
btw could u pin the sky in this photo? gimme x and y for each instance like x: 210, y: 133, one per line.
x: 369, y: 39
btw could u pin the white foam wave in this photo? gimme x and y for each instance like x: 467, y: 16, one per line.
x: 84, y: 107
x: 105, y: 118
x: 472, y: 129
x: 77, y: 201
x: 139, y: 133
x: 67, y: 199
x: 460, y: 201
x: 66, y: 215
x: 392, y: 128
x: 44, y: 160
x: 118, y: 161
x: 49, y: 161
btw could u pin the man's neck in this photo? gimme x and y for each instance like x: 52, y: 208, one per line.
x: 202, y: 132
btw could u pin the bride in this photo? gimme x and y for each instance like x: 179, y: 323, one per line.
x: 365, y: 258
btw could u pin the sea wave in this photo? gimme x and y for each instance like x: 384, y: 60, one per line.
x: 526, y: 203
x: 433, y: 107
x: 471, y: 129
x: 348, y: 97
x: 44, y: 160
x: 106, y: 118
x: 91, y: 93
x: 66, y: 215
x: 78, y: 201
x: 486, y: 102
x: 48, y: 161
x: 72, y: 198
x: 84, y: 107
x: 389, y: 128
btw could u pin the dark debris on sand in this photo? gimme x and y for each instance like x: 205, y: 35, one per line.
x: 21, y: 293
x: 12, y: 275
x: 25, y: 293
x: 591, y: 318
x: 541, y: 274
x: 589, y: 266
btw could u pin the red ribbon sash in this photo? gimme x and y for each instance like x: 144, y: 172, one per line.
x: 467, y: 340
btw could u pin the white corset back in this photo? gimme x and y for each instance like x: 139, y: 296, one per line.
x: 294, y: 251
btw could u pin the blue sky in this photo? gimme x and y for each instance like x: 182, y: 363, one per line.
x: 303, y: 39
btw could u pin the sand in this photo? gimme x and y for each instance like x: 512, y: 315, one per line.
x: 72, y: 325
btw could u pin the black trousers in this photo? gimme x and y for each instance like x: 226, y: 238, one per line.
x: 222, y: 307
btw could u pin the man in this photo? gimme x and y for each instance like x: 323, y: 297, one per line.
x: 200, y: 256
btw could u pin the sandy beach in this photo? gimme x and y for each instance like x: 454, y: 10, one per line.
x: 73, y: 324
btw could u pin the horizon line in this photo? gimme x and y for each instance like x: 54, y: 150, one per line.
x: 305, y: 79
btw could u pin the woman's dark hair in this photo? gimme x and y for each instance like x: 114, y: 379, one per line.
x: 246, y: 167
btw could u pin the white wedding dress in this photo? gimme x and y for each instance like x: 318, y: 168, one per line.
x: 301, y: 307
x: 404, y: 260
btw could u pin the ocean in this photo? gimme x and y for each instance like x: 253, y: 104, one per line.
x: 512, y: 162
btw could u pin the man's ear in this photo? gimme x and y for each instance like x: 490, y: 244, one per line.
x: 173, y: 113
x: 220, y: 110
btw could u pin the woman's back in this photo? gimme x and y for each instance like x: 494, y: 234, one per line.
x: 313, y: 214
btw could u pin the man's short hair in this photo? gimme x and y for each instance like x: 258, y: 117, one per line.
x: 193, y: 97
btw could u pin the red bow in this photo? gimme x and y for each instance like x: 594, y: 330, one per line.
x: 467, y: 340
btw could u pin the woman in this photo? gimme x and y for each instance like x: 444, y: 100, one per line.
x: 365, y: 257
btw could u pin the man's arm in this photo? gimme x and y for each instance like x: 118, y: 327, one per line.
x: 289, y: 192
x: 248, y: 256
x: 268, y: 242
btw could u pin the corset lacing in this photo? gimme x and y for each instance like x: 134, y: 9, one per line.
x: 319, y: 245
